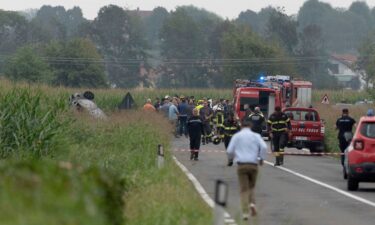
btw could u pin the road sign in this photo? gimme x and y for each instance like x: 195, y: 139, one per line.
x: 325, y: 99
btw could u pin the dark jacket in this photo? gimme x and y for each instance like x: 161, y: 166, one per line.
x: 278, y: 122
x: 195, y: 126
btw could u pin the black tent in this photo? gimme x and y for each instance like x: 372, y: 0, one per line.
x: 127, y: 102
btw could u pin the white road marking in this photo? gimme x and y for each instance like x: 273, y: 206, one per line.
x: 345, y: 193
x: 201, y: 191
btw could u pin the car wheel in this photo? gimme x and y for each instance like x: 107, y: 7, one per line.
x: 352, y: 184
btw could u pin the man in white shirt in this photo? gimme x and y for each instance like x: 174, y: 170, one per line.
x: 247, y: 149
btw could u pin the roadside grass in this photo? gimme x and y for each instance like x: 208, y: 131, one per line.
x: 330, y: 113
x: 38, y: 192
x: 104, y: 172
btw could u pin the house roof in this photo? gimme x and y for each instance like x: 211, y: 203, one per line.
x: 347, y: 59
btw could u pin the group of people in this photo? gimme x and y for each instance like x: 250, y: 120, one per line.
x: 200, y: 119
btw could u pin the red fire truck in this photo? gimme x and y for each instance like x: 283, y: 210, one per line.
x: 262, y: 94
x: 269, y: 92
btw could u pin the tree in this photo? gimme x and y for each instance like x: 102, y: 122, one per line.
x: 183, y: 47
x: 283, y: 29
x: 13, y: 31
x: 26, y: 65
x: 313, y: 58
x: 76, y: 64
x: 247, y: 56
x: 56, y: 23
x: 366, y: 60
x: 120, y: 38
x: 154, y: 23
x: 250, y: 18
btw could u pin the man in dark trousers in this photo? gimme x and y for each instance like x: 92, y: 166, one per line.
x: 195, y: 129
x: 278, y: 129
x: 231, y: 127
x: 345, y: 126
x: 247, y: 149
x: 257, y: 120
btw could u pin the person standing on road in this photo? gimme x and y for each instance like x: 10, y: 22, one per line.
x: 345, y: 126
x: 248, y: 149
x: 173, y: 116
x: 230, y: 128
x: 278, y: 129
x: 257, y: 120
x: 206, y: 114
x: 183, y: 110
x: 195, y: 129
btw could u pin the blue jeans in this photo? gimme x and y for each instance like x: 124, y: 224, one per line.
x: 183, y: 125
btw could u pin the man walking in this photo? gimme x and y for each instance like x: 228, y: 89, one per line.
x: 248, y: 149
x: 345, y: 126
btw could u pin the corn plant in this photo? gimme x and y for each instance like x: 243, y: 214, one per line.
x: 29, y: 124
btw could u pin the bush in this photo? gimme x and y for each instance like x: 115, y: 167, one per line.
x: 38, y: 192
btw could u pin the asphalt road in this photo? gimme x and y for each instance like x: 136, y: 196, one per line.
x: 283, y: 197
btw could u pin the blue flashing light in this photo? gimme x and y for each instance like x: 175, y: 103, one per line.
x: 262, y: 78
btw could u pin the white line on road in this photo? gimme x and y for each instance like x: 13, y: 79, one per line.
x: 347, y: 194
x: 201, y: 190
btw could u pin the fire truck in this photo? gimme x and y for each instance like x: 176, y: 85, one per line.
x: 294, y: 92
x: 269, y: 92
x: 265, y: 95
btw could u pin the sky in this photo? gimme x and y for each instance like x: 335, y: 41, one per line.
x: 225, y: 8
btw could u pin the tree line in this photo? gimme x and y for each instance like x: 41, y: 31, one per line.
x: 186, y: 47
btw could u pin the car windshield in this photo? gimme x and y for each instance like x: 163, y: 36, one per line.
x: 368, y: 129
x: 300, y: 115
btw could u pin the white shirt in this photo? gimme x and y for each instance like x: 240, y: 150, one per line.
x: 246, y: 146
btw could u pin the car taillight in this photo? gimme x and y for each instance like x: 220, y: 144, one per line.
x: 359, y: 145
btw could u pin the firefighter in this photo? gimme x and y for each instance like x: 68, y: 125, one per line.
x: 257, y: 120
x: 231, y: 126
x: 206, y: 114
x: 195, y: 129
x: 278, y: 128
x: 219, y: 121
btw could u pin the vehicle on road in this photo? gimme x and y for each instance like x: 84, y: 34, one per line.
x: 269, y: 92
x: 255, y: 94
x: 307, y: 129
x: 359, y: 165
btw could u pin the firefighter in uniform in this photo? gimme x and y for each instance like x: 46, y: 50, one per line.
x: 231, y: 127
x: 257, y: 120
x: 278, y: 128
x: 206, y: 114
x: 219, y: 121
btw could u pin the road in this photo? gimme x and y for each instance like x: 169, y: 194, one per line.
x: 284, y: 197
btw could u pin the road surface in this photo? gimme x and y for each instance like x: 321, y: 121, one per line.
x: 285, y: 195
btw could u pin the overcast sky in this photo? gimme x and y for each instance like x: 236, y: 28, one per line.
x: 225, y: 8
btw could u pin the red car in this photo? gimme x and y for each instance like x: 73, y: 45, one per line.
x: 307, y: 129
x: 360, y: 155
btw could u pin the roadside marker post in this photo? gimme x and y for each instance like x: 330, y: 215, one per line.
x: 221, y: 196
x: 160, y: 156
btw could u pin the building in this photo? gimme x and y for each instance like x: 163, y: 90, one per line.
x: 342, y: 67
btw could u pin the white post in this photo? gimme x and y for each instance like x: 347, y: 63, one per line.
x: 160, y: 156
x: 221, y: 195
